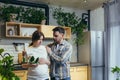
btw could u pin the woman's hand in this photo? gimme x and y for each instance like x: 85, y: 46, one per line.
x: 33, y: 65
x: 44, y: 61
x: 27, y: 65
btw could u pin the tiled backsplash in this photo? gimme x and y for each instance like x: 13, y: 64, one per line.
x: 11, y: 50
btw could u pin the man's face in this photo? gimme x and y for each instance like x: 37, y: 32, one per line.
x: 57, y: 36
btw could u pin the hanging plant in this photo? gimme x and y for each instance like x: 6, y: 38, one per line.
x: 71, y: 20
x: 26, y: 15
x: 5, y: 12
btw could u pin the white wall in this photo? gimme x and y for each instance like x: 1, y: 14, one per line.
x: 84, y: 49
x: 97, y: 19
x: 52, y: 21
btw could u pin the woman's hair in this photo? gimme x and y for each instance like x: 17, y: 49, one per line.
x: 36, y: 36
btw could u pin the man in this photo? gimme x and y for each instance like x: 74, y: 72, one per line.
x: 59, y: 52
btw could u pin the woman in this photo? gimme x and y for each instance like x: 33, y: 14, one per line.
x: 37, y: 71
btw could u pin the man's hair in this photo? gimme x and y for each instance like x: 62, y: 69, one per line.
x: 59, y: 29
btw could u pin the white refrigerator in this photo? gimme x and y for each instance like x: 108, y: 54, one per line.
x: 97, y: 56
x: 91, y: 52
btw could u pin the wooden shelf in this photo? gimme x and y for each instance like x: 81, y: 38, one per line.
x: 67, y: 32
x: 20, y: 30
x: 47, y: 30
x: 25, y: 30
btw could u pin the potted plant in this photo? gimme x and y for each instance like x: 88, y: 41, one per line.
x: 116, y: 70
x: 77, y: 24
x: 7, y: 67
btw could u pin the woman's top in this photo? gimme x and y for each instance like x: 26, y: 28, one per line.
x: 41, y: 71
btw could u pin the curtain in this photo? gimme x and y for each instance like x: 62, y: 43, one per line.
x: 112, y: 37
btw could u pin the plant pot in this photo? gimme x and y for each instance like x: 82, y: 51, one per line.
x: 13, y: 17
x: 43, y: 22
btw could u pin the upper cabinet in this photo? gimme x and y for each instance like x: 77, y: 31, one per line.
x: 25, y: 30
x: 20, y: 30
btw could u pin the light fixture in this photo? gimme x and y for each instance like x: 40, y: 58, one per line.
x: 85, y: 1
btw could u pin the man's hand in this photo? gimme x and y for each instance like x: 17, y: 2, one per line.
x: 48, y: 49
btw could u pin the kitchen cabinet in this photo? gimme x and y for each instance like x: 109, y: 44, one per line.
x: 20, y: 30
x: 25, y: 30
x: 22, y: 74
x: 47, y: 30
x: 79, y: 73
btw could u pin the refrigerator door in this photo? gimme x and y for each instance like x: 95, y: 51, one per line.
x: 97, y: 55
x: 97, y: 73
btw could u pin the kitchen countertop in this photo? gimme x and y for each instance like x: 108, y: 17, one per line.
x: 72, y: 64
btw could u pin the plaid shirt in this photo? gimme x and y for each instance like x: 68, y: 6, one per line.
x: 60, y: 60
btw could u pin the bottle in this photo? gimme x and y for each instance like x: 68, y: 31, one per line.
x: 20, y: 57
x: 24, y: 59
x: 10, y: 32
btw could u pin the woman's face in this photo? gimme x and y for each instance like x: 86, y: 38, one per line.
x: 38, y: 42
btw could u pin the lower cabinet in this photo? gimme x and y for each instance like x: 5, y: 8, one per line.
x: 79, y: 73
x: 22, y: 74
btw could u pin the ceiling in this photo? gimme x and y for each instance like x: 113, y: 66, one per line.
x: 80, y: 4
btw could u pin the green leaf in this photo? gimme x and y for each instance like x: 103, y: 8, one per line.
x: 1, y: 50
x: 31, y: 59
x: 115, y: 69
x: 24, y: 60
x: 37, y: 60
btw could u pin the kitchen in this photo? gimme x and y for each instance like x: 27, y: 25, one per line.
x: 76, y: 60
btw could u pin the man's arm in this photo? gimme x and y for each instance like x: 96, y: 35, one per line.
x: 65, y: 56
